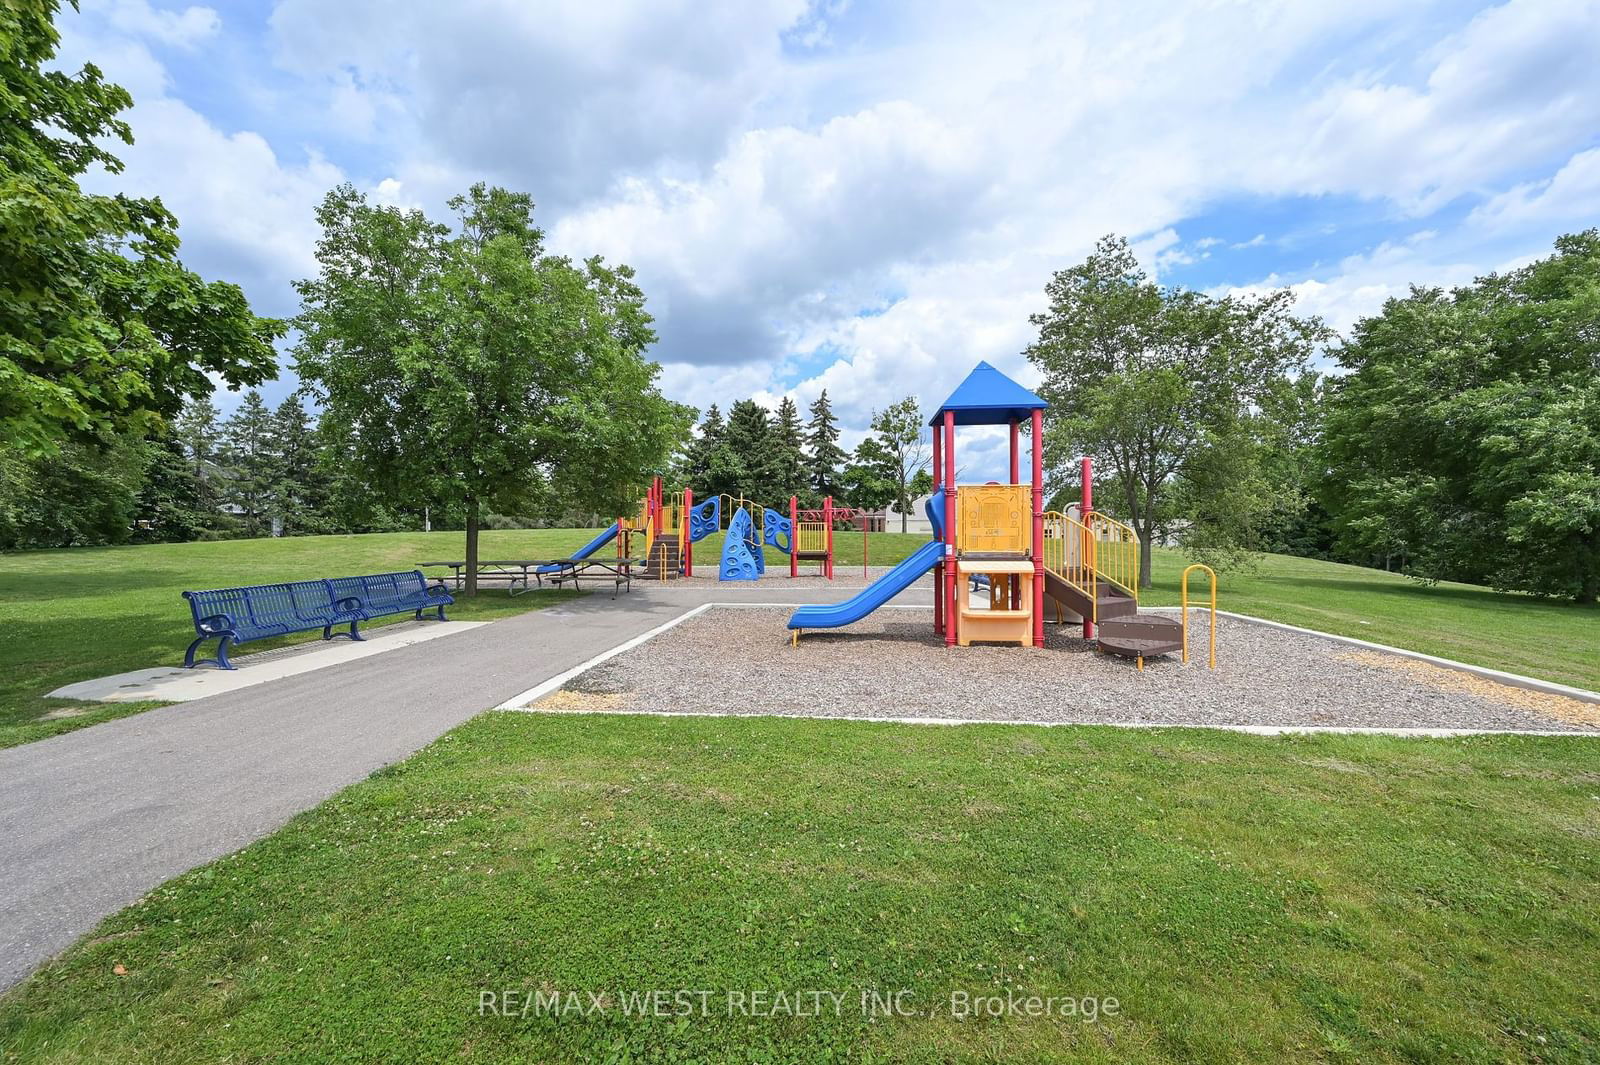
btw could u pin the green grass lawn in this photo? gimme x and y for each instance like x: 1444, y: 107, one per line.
x: 1327, y: 898
x: 86, y: 612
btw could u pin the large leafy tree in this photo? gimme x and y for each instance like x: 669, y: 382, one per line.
x: 824, y: 456
x: 903, y: 438
x: 868, y: 478
x: 469, y: 367
x: 1162, y: 385
x: 1464, y: 442
x: 102, y: 330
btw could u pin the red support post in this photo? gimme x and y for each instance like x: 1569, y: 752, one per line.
x: 794, y: 536
x: 827, y: 523
x: 938, y: 569
x: 952, y: 610
x: 1086, y: 468
x: 1037, y: 428
x: 687, y: 547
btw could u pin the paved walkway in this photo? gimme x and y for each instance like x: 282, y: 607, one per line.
x: 92, y: 820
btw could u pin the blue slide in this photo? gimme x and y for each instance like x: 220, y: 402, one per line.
x: 587, y: 549
x: 885, y: 587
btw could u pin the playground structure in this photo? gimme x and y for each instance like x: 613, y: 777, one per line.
x: 666, y: 527
x: 1000, y: 537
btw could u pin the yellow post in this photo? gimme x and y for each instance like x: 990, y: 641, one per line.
x: 1183, y: 599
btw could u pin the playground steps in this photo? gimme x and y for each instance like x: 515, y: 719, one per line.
x: 665, y: 561
x: 1112, y: 601
x: 1140, y: 635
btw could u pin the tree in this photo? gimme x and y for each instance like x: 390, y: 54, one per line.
x: 299, y: 491
x: 1464, y: 441
x: 467, y: 366
x: 789, y: 457
x: 824, y: 456
x: 251, y: 471
x: 902, y: 435
x: 751, y: 441
x: 196, y: 431
x: 81, y: 494
x: 1159, y: 383
x: 868, y: 478
x: 173, y: 504
x: 102, y: 330
x: 710, y: 468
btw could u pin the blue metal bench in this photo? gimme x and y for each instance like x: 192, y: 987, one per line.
x: 233, y: 616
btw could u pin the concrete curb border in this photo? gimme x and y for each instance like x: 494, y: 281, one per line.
x: 1149, y: 726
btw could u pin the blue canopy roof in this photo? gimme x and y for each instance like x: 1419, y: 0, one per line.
x: 989, y: 397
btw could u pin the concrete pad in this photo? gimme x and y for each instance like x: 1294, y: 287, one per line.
x: 174, y: 684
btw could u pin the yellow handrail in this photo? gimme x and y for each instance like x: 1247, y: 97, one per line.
x: 1183, y: 598
x: 1069, y: 552
x: 1116, y: 556
x: 811, y: 537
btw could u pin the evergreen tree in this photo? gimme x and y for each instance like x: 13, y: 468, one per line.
x: 298, y: 491
x: 789, y: 457
x: 251, y: 465
x: 751, y: 441
x: 824, y: 455
x: 697, y: 452
x: 174, y: 505
x: 197, y: 432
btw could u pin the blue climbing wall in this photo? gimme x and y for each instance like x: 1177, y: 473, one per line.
x: 777, y: 530
x: 705, y: 519
x: 741, y: 556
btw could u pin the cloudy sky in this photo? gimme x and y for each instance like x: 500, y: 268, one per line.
x: 869, y: 197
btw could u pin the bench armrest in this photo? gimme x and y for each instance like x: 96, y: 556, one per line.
x: 345, y: 604
x: 439, y: 591
x: 215, y: 624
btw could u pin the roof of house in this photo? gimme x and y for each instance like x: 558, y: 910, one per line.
x: 989, y: 397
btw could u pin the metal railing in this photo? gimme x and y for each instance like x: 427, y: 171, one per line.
x: 1084, y: 552
x: 1184, y: 606
x: 811, y: 536
x: 1116, y: 552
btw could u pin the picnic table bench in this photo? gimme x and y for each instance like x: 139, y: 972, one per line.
x: 253, y: 612
x: 559, y: 571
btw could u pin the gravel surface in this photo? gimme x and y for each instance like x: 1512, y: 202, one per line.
x: 891, y: 665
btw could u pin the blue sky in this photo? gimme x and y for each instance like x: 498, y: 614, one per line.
x: 869, y: 198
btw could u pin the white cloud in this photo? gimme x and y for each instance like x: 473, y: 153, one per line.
x: 871, y: 199
x: 184, y: 29
x: 1571, y: 197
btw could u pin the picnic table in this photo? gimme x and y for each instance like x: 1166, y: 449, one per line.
x: 518, y: 573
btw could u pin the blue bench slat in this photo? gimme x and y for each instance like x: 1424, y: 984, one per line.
x: 253, y: 612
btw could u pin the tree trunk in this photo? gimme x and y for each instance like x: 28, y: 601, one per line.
x: 472, y: 547
x: 1145, y: 554
x: 904, y: 506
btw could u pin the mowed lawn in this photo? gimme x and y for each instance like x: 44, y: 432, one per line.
x: 1329, y: 898
x: 74, y: 614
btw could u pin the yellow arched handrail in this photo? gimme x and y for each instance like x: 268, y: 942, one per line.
x: 1184, y: 601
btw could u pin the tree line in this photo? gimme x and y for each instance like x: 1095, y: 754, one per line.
x: 457, y: 366
x: 1457, y: 437
x: 768, y: 457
